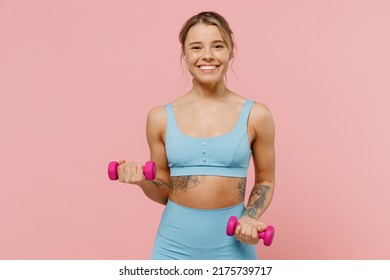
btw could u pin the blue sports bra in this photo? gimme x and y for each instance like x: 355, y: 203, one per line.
x: 226, y: 155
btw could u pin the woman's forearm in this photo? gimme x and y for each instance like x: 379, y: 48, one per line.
x: 157, y: 190
x: 259, y: 200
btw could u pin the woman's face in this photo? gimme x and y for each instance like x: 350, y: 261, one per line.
x: 206, y: 53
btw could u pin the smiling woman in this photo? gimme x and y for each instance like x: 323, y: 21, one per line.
x: 202, y: 165
x: 207, y: 34
x: 206, y: 53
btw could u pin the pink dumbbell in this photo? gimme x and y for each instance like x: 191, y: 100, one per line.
x: 149, y: 170
x: 267, y: 235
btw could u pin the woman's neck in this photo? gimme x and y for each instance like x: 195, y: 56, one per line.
x: 206, y: 93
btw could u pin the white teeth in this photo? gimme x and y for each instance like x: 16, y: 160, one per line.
x: 208, y: 67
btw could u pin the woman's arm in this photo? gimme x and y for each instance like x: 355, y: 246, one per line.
x: 155, y: 131
x: 158, y: 189
x: 263, y: 152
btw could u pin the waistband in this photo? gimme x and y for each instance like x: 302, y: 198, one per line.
x: 198, y: 228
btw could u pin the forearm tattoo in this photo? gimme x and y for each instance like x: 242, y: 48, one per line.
x: 184, y: 183
x: 257, y: 200
x: 161, y: 184
x: 241, y: 189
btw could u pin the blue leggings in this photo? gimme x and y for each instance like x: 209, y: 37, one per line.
x: 199, y: 234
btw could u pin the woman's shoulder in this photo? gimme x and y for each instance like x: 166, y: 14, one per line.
x: 260, y: 109
x: 157, y: 111
x: 261, y: 117
x: 157, y: 117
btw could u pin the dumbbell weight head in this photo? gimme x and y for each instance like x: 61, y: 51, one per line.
x: 113, y: 170
x: 149, y: 170
x: 267, y: 235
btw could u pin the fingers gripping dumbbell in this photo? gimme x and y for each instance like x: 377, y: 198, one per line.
x: 149, y: 170
x: 267, y: 235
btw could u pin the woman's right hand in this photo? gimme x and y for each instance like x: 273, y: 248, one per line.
x: 130, y: 172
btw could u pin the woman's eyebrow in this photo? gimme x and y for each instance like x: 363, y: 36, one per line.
x: 213, y: 42
x: 194, y: 43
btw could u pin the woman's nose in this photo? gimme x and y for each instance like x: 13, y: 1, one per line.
x: 208, y: 54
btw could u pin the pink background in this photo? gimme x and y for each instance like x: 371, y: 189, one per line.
x: 77, y: 79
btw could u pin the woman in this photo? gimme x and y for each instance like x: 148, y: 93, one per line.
x: 202, y: 143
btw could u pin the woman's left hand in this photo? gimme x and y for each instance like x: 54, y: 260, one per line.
x: 247, y: 230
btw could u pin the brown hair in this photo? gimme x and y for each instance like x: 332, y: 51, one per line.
x: 209, y: 18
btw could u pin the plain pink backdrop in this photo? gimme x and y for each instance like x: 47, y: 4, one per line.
x: 77, y: 79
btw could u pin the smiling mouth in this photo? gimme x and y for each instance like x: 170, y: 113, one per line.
x: 207, y: 68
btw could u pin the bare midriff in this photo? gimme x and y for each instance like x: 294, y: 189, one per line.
x: 207, y: 192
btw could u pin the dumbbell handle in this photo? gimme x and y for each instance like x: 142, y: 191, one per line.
x: 267, y: 235
x: 149, y: 170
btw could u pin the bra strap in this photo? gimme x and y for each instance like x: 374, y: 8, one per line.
x: 245, y: 113
x: 171, y: 120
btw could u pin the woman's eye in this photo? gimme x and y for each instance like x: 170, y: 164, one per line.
x: 219, y: 46
x: 195, y: 48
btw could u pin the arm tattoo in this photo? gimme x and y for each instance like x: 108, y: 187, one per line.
x: 256, y: 201
x: 160, y: 183
x: 241, y: 189
x: 183, y: 183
